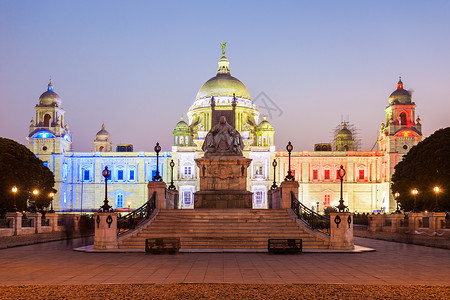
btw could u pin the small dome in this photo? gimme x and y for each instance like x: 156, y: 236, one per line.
x: 344, y: 133
x: 181, y: 125
x: 400, y: 95
x: 49, y: 97
x: 223, y: 84
x: 265, y: 125
x: 102, y: 135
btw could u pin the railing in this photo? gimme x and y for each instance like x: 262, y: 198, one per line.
x: 133, y: 219
x: 311, y: 218
x: 45, y: 222
x: 27, y: 223
x: 5, y: 223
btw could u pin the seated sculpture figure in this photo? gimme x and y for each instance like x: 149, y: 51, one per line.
x: 223, y: 139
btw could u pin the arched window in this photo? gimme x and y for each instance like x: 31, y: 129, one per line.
x: 318, y: 148
x: 47, y: 120
x: 101, y: 149
x: 402, y: 118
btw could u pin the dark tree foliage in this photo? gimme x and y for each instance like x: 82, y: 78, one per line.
x: 21, y: 168
x: 425, y: 166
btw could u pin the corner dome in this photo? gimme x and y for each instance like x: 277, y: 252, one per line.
x: 400, y: 95
x: 181, y: 126
x: 265, y: 125
x: 49, y: 97
x: 102, y: 135
x: 223, y: 84
x: 344, y: 133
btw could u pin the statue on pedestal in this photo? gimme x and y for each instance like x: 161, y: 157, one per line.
x: 223, y: 139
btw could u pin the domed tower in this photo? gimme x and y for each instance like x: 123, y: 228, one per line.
x: 402, y: 130
x: 224, y: 92
x: 182, y: 136
x: 102, y: 142
x: 344, y: 140
x: 264, y: 133
x: 48, y: 134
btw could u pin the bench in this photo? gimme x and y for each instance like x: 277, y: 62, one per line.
x: 162, y: 245
x: 284, y: 246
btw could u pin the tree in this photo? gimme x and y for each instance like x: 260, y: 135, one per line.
x: 425, y: 166
x: 21, y: 168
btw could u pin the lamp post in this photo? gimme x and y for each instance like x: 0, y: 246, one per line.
x: 289, y: 176
x: 35, y: 193
x: 106, y: 207
x: 157, y: 149
x: 415, y: 192
x: 129, y: 205
x: 171, y: 186
x: 396, y: 195
x: 14, y: 191
x: 51, y: 202
x: 274, y: 185
x: 341, y: 173
x: 436, y: 191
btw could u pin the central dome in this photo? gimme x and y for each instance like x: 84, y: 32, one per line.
x: 223, y: 85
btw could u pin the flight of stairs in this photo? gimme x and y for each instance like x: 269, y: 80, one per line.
x: 224, y: 229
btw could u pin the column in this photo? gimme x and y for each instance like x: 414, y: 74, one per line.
x: 341, y: 231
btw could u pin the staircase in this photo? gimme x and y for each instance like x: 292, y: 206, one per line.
x: 224, y: 229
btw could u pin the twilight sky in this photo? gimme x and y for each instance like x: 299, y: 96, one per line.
x: 137, y: 65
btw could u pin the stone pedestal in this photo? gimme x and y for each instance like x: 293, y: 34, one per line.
x: 160, y: 188
x: 341, y: 231
x: 376, y: 222
x: 437, y: 221
x: 223, y: 182
x: 36, y: 220
x: 396, y: 220
x: 172, y: 199
x: 16, y: 218
x: 53, y: 220
x: 286, y: 188
x: 413, y: 221
x: 105, y: 231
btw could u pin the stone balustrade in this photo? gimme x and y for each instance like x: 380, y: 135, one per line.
x: 410, y: 223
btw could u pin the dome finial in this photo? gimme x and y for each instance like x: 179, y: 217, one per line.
x: 265, y: 118
x: 103, y: 125
x: 50, y: 85
x: 223, y: 62
x: 182, y: 118
x: 400, y: 83
x: 223, y: 45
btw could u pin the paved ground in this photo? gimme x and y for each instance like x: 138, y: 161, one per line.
x: 392, y: 263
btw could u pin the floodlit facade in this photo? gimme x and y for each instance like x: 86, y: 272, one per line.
x: 80, y: 183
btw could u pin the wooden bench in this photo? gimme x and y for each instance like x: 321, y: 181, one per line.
x: 292, y: 246
x: 162, y: 245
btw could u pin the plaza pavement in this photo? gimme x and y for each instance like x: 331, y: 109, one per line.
x: 392, y: 263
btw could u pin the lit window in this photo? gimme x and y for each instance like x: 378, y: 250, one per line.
x: 187, y: 198
x: 315, y: 174
x: 131, y: 175
x: 65, y: 197
x: 326, y: 174
x: 120, y: 175
x: 119, y: 200
x: 265, y: 140
x: 187, y: 171
x: 65, y: 171
x: 259, y: 198
x: 337, y: 175
x: 327, y: 200
x: 176, y: 140
x: 181, y: 140
x: 86, y: 175
x: 361, y: 174
x: 259, y: 170
x: 186, y: 139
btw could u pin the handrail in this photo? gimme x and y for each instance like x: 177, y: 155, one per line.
x: 133, y: 219
x: 311, y: 218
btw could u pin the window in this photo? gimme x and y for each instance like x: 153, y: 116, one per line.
x: 187, y: 171
x: 119, y: 200
x: 265, y: 140
x: 327, y: 200
x: 326, y: 174
x: 186, y: 139
x: 259, y: 170
x: 65, y: 171
x: 402, y: 118
x: 131, y: 175
x: 65, y: 197
x: 259, y: 198
x: 176, y: 140
x: 86, y: 175
x: 46, y: 163
x: 181, y: 140
x: 270, y: 140
x: 120, y: 175
x: 47, y: 120
x: 315, y: 174
x: 187, y: 198
x: 337, y: 175
x: 259, y: 141
x: 361, y: 174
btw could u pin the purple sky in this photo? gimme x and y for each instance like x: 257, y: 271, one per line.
x: 138, y: 65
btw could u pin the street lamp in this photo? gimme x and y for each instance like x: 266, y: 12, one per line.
x: 157, y: 150
x: 274, y: 185
x: 14, y: 190
x: 436, y: 191
x: 51, y: 203
x: 396, y: 195
x: 171, y: 186
x: 106, y: 207
x: 289, y: 176
x: 415, y: 192
x: 341, y: 173
x: 129, y: 205
x: 35, y: 193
